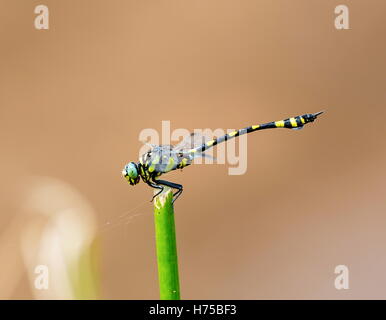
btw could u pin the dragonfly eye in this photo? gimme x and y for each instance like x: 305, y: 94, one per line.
x: 130, y: 172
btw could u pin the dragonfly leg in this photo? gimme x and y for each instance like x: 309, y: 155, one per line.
x: 171, y: 185
x: 155, y: 186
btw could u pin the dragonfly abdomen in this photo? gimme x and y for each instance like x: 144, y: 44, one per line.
x: 290, y: 123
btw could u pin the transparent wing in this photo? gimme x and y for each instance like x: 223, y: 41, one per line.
x: 150, y: 145
x: 164, y: 158
x: 189, y: 142
x: 194, y: 140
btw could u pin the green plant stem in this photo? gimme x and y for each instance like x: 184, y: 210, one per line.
x: 165, y: 235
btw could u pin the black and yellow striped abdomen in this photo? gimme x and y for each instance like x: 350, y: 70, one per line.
x: 289, y: 123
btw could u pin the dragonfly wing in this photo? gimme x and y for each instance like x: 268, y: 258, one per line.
x: 152, y: 146
x: 197, y: 155
x: 164, y: 158
x: 194, y: 140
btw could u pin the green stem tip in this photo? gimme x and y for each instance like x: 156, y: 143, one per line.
x: 165, y: 235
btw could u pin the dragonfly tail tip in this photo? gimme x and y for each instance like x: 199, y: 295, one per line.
x: 318, y: 113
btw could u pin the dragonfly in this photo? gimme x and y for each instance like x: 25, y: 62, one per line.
x: 161, y: 159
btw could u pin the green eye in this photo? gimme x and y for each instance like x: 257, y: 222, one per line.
x: 131, y: 170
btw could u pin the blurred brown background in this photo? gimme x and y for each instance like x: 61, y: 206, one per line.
x: 74, y: 98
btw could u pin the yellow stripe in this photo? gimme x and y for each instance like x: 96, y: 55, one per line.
x: 170, y: 164
x: 153, y: 163
x: 232, y: 134
x: 144, y: 172
x: 255, y: 127
x: 302, y: 120
x: 293, y: 122
x: 279, y: 124
x: 210, y: 143
x: 184, y: 162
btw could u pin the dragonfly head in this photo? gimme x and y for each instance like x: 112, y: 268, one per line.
x: 131, y: 174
